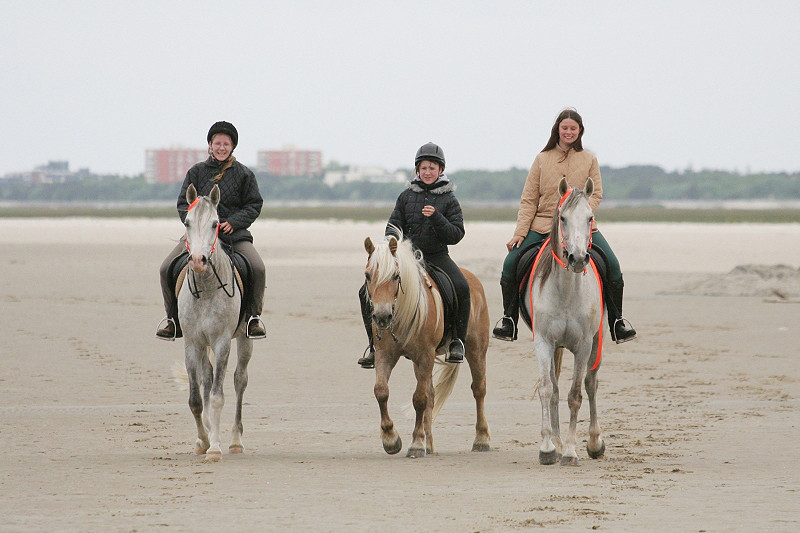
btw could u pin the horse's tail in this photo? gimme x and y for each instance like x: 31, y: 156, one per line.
x: 443, y: 383
x: 179, y: 374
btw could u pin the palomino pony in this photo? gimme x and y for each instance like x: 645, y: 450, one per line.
x: 208, y: 307
x: 564, y: 292
x: 408, y: 321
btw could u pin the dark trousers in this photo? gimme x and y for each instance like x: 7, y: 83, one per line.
x: 461, y: 286
x: 258, y: 278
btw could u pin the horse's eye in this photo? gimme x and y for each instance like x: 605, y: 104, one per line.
x: 369, y: 278
x: 186, y: 223
x: 396, y: 277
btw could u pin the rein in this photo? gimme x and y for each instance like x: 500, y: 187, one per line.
x: 195, y: 291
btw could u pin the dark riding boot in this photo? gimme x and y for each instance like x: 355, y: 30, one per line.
x: 368, y: 359
x: 621, y: 329
x: 506, y: 327
x: 455, y: 352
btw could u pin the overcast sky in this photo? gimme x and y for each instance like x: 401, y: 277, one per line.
x: 701, y: 84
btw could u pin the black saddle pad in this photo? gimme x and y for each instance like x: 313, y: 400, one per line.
x: 449, y: 300
x: 239, y: 261
x: 525, y: 267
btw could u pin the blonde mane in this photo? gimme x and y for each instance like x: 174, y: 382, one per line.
x: 411, y: 307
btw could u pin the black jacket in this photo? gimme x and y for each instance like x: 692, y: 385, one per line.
x: 239, y: 202
x: 432, y: 234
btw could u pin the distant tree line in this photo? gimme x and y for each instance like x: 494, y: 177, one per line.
x: 629, y: 183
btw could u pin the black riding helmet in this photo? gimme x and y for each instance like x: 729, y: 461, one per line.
x: 224, y: 127
x: 430, y: 152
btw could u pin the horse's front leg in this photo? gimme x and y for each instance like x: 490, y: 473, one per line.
x: 548, y: 454
x: 383, y: 371
x: 244, y: 351
x: 595, y: 447
x: 222, y: 350
x: 423, y: 405
x: 574, y: 400
x: 194, y: 358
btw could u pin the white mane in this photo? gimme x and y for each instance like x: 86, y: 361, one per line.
x: 412, y: 302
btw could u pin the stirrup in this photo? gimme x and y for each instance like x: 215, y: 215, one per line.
x: 624, y: 322
x: 257, y: 320
x: 368, y: 359
x: 168, y: 320
x: 499, y: 325
x: 463, y: 351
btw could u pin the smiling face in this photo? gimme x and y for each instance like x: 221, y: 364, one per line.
x: 568, y: 132
x: 220, y: 146
x: 429, y: 172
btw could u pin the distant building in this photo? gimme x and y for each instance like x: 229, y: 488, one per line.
x: 290, y: 162
x: 52, y: 172
x: 169, y: 165
x: 370, y: 174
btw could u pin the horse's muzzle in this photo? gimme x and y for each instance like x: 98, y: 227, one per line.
x: 198, y: 263
x: 382, y: 320
x: 577, y: 263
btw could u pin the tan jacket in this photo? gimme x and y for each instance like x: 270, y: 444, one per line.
x: 540, y: 194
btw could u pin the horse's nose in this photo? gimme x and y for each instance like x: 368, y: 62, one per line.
x: 382, y: 320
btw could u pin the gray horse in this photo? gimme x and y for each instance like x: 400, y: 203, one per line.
x: 564, y: 292
x: 208, y: 307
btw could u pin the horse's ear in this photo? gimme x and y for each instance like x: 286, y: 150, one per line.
x: 562, y: 187
x: 589, y: 187
x: 393, y: 245
x: 214, y: 196
x: 191, y: 194
x: 368, y: 246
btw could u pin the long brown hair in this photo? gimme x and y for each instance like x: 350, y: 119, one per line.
x: 553, y: 141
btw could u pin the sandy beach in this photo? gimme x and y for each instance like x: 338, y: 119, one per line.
x: 699, y: 415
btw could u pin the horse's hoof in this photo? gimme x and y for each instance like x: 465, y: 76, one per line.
x: 392, y: 449
x: 480, y: 447
x: 569, y: 461
x: 597, y: 454
x: 236, y: 448
x: 549, y: 458
x: 200, y: 448
x: 415, y: 453
x: 213, y: 457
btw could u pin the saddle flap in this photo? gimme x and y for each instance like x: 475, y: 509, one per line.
x: 448, y: 293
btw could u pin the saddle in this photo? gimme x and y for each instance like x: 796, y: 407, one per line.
x: 449, y: 301
x: 179, y: 267
x: 525, y: 267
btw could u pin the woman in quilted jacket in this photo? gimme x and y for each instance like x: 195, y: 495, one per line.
x: 239, y: 206
x: 429, y: 214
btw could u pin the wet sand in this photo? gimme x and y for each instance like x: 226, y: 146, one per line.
x: 699, y: 414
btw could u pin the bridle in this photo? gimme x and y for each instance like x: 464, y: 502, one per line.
x: 561, y: 232
x: 397, y: 292
x: 194, y: 290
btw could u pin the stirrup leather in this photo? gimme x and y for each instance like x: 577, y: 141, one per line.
x: 257, y: 320
x: 168, y: 320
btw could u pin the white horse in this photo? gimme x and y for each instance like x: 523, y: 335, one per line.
x: 565, y: 294
x: 208, y: 307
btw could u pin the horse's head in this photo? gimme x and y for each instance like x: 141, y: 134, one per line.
x: 202, y: 227
x: 382, y: 277
x: 572, y: 226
